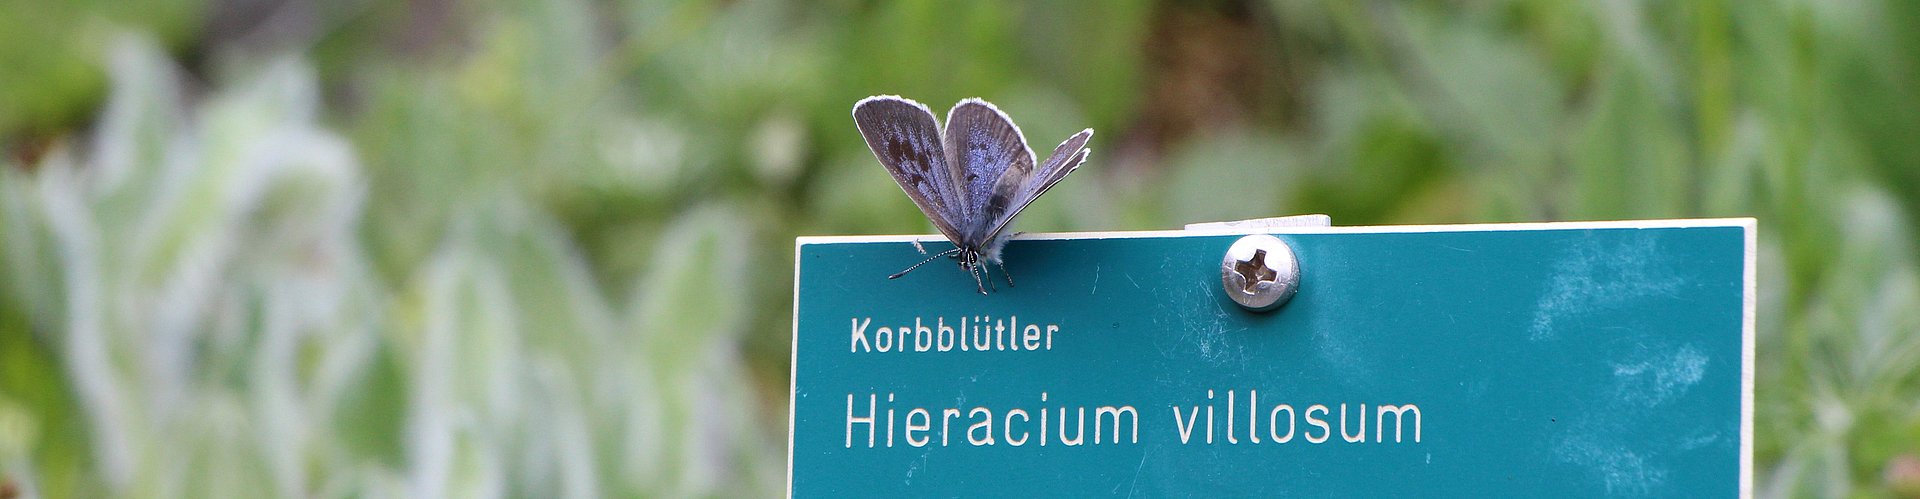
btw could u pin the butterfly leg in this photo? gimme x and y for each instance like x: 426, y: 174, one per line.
x: 975, y: 270
x: 1004, y: 273
x: 984, y: 273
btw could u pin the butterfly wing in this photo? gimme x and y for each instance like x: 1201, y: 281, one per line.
x: 1016, y: 189
x: 983, y: 145
x: 905, y: 138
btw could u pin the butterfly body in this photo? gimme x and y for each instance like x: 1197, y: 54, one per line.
x: 970, y: 177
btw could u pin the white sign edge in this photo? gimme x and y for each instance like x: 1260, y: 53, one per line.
x: 1749, y: 306
x: 1361, y: 229
x: 793, y: 366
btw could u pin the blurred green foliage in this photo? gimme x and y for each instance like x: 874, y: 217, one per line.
x: 542, y: 248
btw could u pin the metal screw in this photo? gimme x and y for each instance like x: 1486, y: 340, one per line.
x: 1260, y: 272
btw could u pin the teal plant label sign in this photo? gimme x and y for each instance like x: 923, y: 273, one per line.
x: 1514, y: 360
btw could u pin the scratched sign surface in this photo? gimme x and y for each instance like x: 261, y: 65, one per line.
x: 1529, y: 359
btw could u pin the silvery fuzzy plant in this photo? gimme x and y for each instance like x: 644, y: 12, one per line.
x: 192, y: 275
x: 196, y: 279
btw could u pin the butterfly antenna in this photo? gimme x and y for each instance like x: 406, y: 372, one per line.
x: 897, y: 275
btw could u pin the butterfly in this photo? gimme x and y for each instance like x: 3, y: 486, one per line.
x: 970, y: 181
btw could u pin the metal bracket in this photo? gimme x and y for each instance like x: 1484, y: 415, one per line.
x: 1314, y: 220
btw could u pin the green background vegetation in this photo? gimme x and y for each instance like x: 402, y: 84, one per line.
x: 267, y: 247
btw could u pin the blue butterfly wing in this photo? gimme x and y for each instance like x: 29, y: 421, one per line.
x: 984, y: 147
x: 905, y: 138
x: 1016, y: 190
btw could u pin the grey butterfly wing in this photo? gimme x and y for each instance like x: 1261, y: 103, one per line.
x: 905, y: 138
x: 983, y: 145
x: 1018, y: 189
